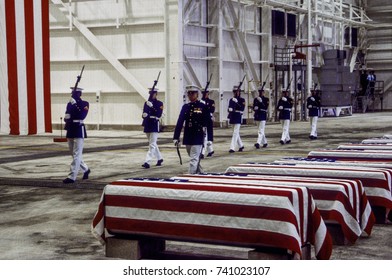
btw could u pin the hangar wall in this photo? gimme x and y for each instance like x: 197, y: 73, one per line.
x: 124, y: 44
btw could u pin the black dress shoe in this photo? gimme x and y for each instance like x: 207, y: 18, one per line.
x: 241, y: 149
x: 210, y: 154
x: 311, y: 137
x: 68, y: 181
x: 265, y: 145
x: 201, y: 156
x: 231, y: 151
x: 159, y: 162
x: 281, y: 142
x: 85, y: 175
x: 145, y: 165
x: 257, y: 145
x: 288, y: 141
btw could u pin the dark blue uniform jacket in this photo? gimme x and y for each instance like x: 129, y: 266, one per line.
x: 260, y: 108
x: 196, y: 116
x: 77, y: 113
x: 313, y: 105
x: 236, y: 110
x: 285, y: 113
x: 151, y: 121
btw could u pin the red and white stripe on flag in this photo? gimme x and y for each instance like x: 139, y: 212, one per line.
x: 25, y: 67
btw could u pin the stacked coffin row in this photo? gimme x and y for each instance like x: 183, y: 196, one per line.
x: 282, y: 204
x: 341, y: 201
x: 240, y: 215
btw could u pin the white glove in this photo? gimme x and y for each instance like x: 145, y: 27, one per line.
x: 284, y: 99
x: 230, y: 109
x: 175, y: 142
x: 149, y: 104
x: 209, y: 143
x: 72, y: 101
x: 256, y: 108
x: 310, y: 106
x: 312, y: 98
x: 234, y: 99
x: 280, y: 108
x: 202, y: 101
x: 259, y: 98
x: 144, y: 115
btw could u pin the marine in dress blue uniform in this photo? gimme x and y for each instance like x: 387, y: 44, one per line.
x: 196, y: 120
x: 76, y: 112
x: 152, y: 111
x: 210, y: 104
x: 236, y: 110
x: 285, y: 105
x: 313, y: 105
x: 260, y: 109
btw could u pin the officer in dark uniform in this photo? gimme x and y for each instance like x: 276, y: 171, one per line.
x: 76, y: 112
x: 285, y: 104
x: 197, y: 121
x: 236, y: 110
x: 260, y: 107
x: 313, y: 105
x: 210, y: 104
x: 152, y: 111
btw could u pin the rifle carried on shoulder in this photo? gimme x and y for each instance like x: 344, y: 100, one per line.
x: 208, y: 83
x: 155, y: 83
x: 78, y: 78
x: 265, y: 81
x: 240, y: 85
x: 288, y: 86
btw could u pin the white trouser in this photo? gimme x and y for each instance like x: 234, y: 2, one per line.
x: 194, y: 153
x: 153, y: 150
x: 207, y: 147
x: 261, y: 139
x: 285, y: 132
x: 313, y: 126
x: 236, y: 139
x: 75, y: 146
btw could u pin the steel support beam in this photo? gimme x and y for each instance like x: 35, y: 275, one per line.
x: 243, y: 44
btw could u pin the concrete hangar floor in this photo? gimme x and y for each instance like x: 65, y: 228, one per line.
x: 41, y: 218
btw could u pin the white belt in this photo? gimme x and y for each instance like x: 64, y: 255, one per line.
x: 287, y: 109
x: 236, y: 111
x: 154, y: 117
x: 78, y: 121
x: 263, y: 110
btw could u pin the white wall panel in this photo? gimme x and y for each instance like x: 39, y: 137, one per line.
x: 138, y: 43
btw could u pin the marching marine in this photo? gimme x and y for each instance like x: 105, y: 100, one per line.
x: 236, y: 110
x: 152, y: 111
x: 197, y: 121
x: 210, y: 104
x: 313, y: 105
x: 285, y: 104
x: 76, y: 112
x: 260, y: 107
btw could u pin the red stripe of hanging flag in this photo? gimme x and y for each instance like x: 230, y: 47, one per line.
x: 25, y: 67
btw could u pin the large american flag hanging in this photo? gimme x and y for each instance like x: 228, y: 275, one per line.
x: 24, y: 67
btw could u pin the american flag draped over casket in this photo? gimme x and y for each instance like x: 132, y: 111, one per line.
x: 237, y: 215
x: 332, y: 162
x: 376, y: 181
x: 377, y: 141
x: 366, y: 155
x: 384, y: 147
x: 341, y: 201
